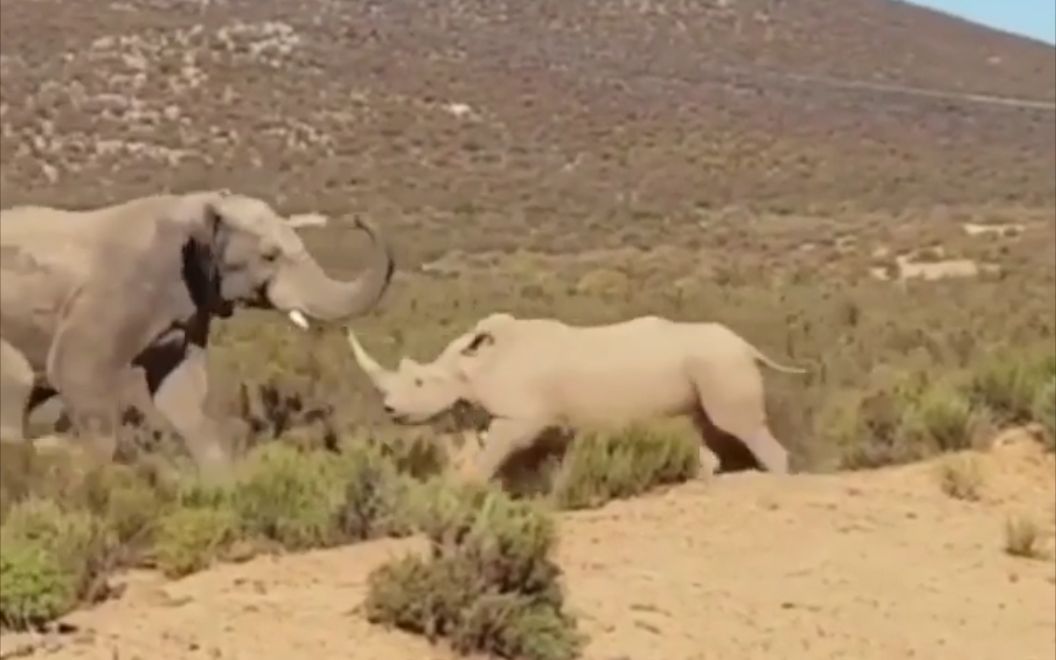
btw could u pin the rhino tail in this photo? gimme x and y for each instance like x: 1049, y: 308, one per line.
x: 776, y: 366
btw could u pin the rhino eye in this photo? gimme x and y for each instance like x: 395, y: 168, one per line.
x: 418, y: 382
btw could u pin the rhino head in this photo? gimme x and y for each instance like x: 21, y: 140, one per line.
x: 415, y: 393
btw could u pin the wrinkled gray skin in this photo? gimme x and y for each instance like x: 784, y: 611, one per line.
x: 533, y: 374
x: 114, y: 301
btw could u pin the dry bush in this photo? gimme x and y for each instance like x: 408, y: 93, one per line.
x: 1008, y: 384
x: 190, y: 539
x: 59, y: 544
x: 603, y: 466
x: 489, y: 584
x: 1044, y: 411
x: 290, y: 496
x: 940, y: 418
x: 1023, y: 537
x: 961, y: 477
x: 51, y: 560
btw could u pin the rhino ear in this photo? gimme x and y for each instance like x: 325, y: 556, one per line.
x: 480, y: 340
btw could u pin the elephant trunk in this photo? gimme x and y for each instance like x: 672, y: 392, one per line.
x: 328, y: 299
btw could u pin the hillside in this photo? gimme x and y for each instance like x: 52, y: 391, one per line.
x: 866, y: 565
x: 859, y: 187
x: 565, y: 118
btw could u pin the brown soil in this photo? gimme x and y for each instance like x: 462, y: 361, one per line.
x: 860, y: 565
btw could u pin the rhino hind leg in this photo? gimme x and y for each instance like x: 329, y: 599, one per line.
x: 731, y: 453
x: 733, y: 421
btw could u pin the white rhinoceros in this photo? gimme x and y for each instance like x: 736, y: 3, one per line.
x: 532, y: 374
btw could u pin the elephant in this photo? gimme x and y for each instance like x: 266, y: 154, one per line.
x: 536, y: 373
x: 94, y: 302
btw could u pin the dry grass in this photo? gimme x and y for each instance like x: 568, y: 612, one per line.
x: 961, y: 477
x: 1023, y: 537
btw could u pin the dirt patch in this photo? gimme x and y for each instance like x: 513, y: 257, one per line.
x: 905, y: 267
x: 997, y: 229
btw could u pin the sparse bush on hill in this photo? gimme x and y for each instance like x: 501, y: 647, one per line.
x: 1044, y: 410
x: 489, y: 585
x: 1007, y: 384
x: 127, y: 500
x: 872, y: 431
x: 189, y: 539
x: 602, y: 466
x: 51, y: 560
x: 916, y: 415
x: 290, y: 496
x: 377, y: 495
x: 940, y: 418
x: 961, y: 477
x: 1023, y: 537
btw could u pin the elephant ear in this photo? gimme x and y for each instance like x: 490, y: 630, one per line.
x: 132, y: 296
x: 200, y: 264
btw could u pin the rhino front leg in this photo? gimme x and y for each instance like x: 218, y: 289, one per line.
x: 504, y: 438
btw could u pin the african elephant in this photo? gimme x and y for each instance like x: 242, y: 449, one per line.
x: 88, y: 295
x: 531, y: 375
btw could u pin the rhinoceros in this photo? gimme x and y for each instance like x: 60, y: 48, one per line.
x: 532, y: 374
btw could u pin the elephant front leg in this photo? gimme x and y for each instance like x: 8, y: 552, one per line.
x: 505, y: 437
x: 91, y: 409
x: 16, y: 389
x: 181, y: 398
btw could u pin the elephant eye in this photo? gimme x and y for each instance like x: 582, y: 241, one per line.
x: 271, y: 253
x: 418, y: 382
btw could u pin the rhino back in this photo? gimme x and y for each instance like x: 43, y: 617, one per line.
x: 592, y: 375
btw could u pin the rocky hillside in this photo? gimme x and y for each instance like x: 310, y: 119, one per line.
x: 562, y: 117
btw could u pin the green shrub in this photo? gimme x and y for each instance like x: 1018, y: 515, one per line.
x: 419, y: 456
x: 489, y: 585
x: 603, y: 466
x: 1044, y: 411
x: 125, y: 499
x: 376, y: 495
x: 874, y: 426
x: 1007, y: 384
x: 52, y: 558
x: 26, y: 471
x: 941, y: 419
x: 290, y: 496
x: 35, y: 587
x: 189, y: 539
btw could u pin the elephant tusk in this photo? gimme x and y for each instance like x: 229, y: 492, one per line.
x: 298, y: 319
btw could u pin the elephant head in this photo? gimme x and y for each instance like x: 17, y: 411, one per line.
x: 242, y: 252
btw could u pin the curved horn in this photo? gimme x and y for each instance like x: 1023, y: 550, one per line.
x: 377, y: 374
x: 301, y: 220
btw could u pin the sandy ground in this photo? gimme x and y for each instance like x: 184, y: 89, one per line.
x: 867, y: 565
